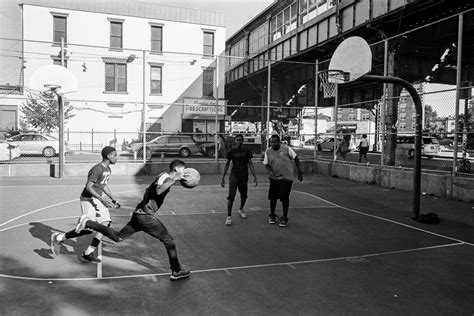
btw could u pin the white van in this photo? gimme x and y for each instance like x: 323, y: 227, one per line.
x: 429, y: 145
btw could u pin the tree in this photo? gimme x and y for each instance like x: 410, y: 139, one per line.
x: 42, y: 112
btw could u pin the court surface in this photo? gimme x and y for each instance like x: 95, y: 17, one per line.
x: 350, y: 248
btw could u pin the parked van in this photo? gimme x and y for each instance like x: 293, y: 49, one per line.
x: 429, y: 145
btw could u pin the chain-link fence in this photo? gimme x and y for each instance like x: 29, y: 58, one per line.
x: 158, y: 106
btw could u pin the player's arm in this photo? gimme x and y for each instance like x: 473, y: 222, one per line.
x: 226, y: 167
x: 109, y: 194
x: 266, y: 163
x: 167, y: 180
x: 90, y: 189
x: 298, y: 166
x: 295, y: 157
x: 252, y: 170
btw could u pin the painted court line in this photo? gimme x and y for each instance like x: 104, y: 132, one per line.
x: 388, y: 220
x: 172, y: 213
x: 53, y: 205
x: 228, y: 270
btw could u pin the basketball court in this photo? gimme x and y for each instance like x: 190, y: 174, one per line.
x: 349, y: 248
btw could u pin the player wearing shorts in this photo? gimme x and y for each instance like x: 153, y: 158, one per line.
x: 239, y: 175
x: 93, y: 204
x: 145, y: 219
x: 278, y: 162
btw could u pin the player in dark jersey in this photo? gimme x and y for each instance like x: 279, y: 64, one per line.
x: 239, y: 175
x: 144, y: 217
x: 93, y: 204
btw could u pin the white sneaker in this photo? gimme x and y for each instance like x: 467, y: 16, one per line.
x: 243, y: 214
x: 55, y: 243
x: 228, y: 221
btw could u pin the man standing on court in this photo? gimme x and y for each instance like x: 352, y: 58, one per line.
x: 239, y: 175
x: 278, y: 162
x: 93, y: 203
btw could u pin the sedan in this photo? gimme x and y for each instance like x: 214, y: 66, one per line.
x: 37, y: 144
x: 326, y: 144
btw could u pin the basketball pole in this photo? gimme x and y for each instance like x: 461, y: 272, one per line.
x: 61, y: 121
x: 316, y: 100
x: 99, y: 264
x: 419, y: 116
x: 336, y: 92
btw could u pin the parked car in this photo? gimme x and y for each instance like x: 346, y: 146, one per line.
x: 429, y: 145
x: 326, y: 144
x: 184, y: 145
x: 8, y: 151
x: 296, y: 143
x: 37, y: 144
x: 448, y: 152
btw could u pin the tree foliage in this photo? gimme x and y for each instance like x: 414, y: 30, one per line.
x: 41, y: 113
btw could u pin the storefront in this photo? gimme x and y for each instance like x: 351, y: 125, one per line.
x: 199, y: 116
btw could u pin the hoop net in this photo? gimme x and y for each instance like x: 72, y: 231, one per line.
x: 329, y: 79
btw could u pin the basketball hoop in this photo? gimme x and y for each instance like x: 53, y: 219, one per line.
x: 329, y: 79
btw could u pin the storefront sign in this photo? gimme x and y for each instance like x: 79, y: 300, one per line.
x: 203, y: 107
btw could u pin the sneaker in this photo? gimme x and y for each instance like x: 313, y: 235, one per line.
x: 55, y: 243
x: 228, y: 221
x: 243, y: 214
x: 90, y: 257
x: 272, y: 219
x: 283, y: 222
x: 82, y: 223
x: 180, y: 275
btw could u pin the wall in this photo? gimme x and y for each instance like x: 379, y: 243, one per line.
x: 442, y: 184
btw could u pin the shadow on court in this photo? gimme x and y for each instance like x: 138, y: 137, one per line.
x: 350, y: 248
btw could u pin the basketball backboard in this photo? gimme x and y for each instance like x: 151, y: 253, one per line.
x: 53, y: 76
x: 353, y: 56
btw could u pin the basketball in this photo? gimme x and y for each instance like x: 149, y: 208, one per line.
x: 190, y: 178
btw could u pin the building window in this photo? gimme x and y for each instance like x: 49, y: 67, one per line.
x: 156, y: 79
x: 283, y: 22
x: 258, y: 38
x: 116, y: 34
x: 208, y: 82
x: 59, y: 28
x: 156, y: 39
x: 208, y: 49
x: 115, y: 77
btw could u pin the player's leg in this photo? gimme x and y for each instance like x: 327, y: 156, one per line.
x: 285, y: 190
x: 87, y: 209
x: 102, y: 216
x: 154, y: 227
x: 243, y: 190
x: 58, y: 238
x: 273, y: 197
x: 233, y: 182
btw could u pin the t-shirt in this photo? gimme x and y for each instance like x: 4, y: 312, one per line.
x: 152, y: 201
x: 240, y: 158
x: 99, y: 175
x: 364, y: 142
x: 281, y: 163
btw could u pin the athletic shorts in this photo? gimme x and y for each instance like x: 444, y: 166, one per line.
x: 236, y: 182
x: 279, y: 190
x: 95, y: 210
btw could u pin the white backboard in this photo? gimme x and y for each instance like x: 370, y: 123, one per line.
x: 49, y: 76
x: 353, y: 56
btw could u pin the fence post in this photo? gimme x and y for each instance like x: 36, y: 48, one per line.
x: 115, y: 138
x: 92, y: 142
